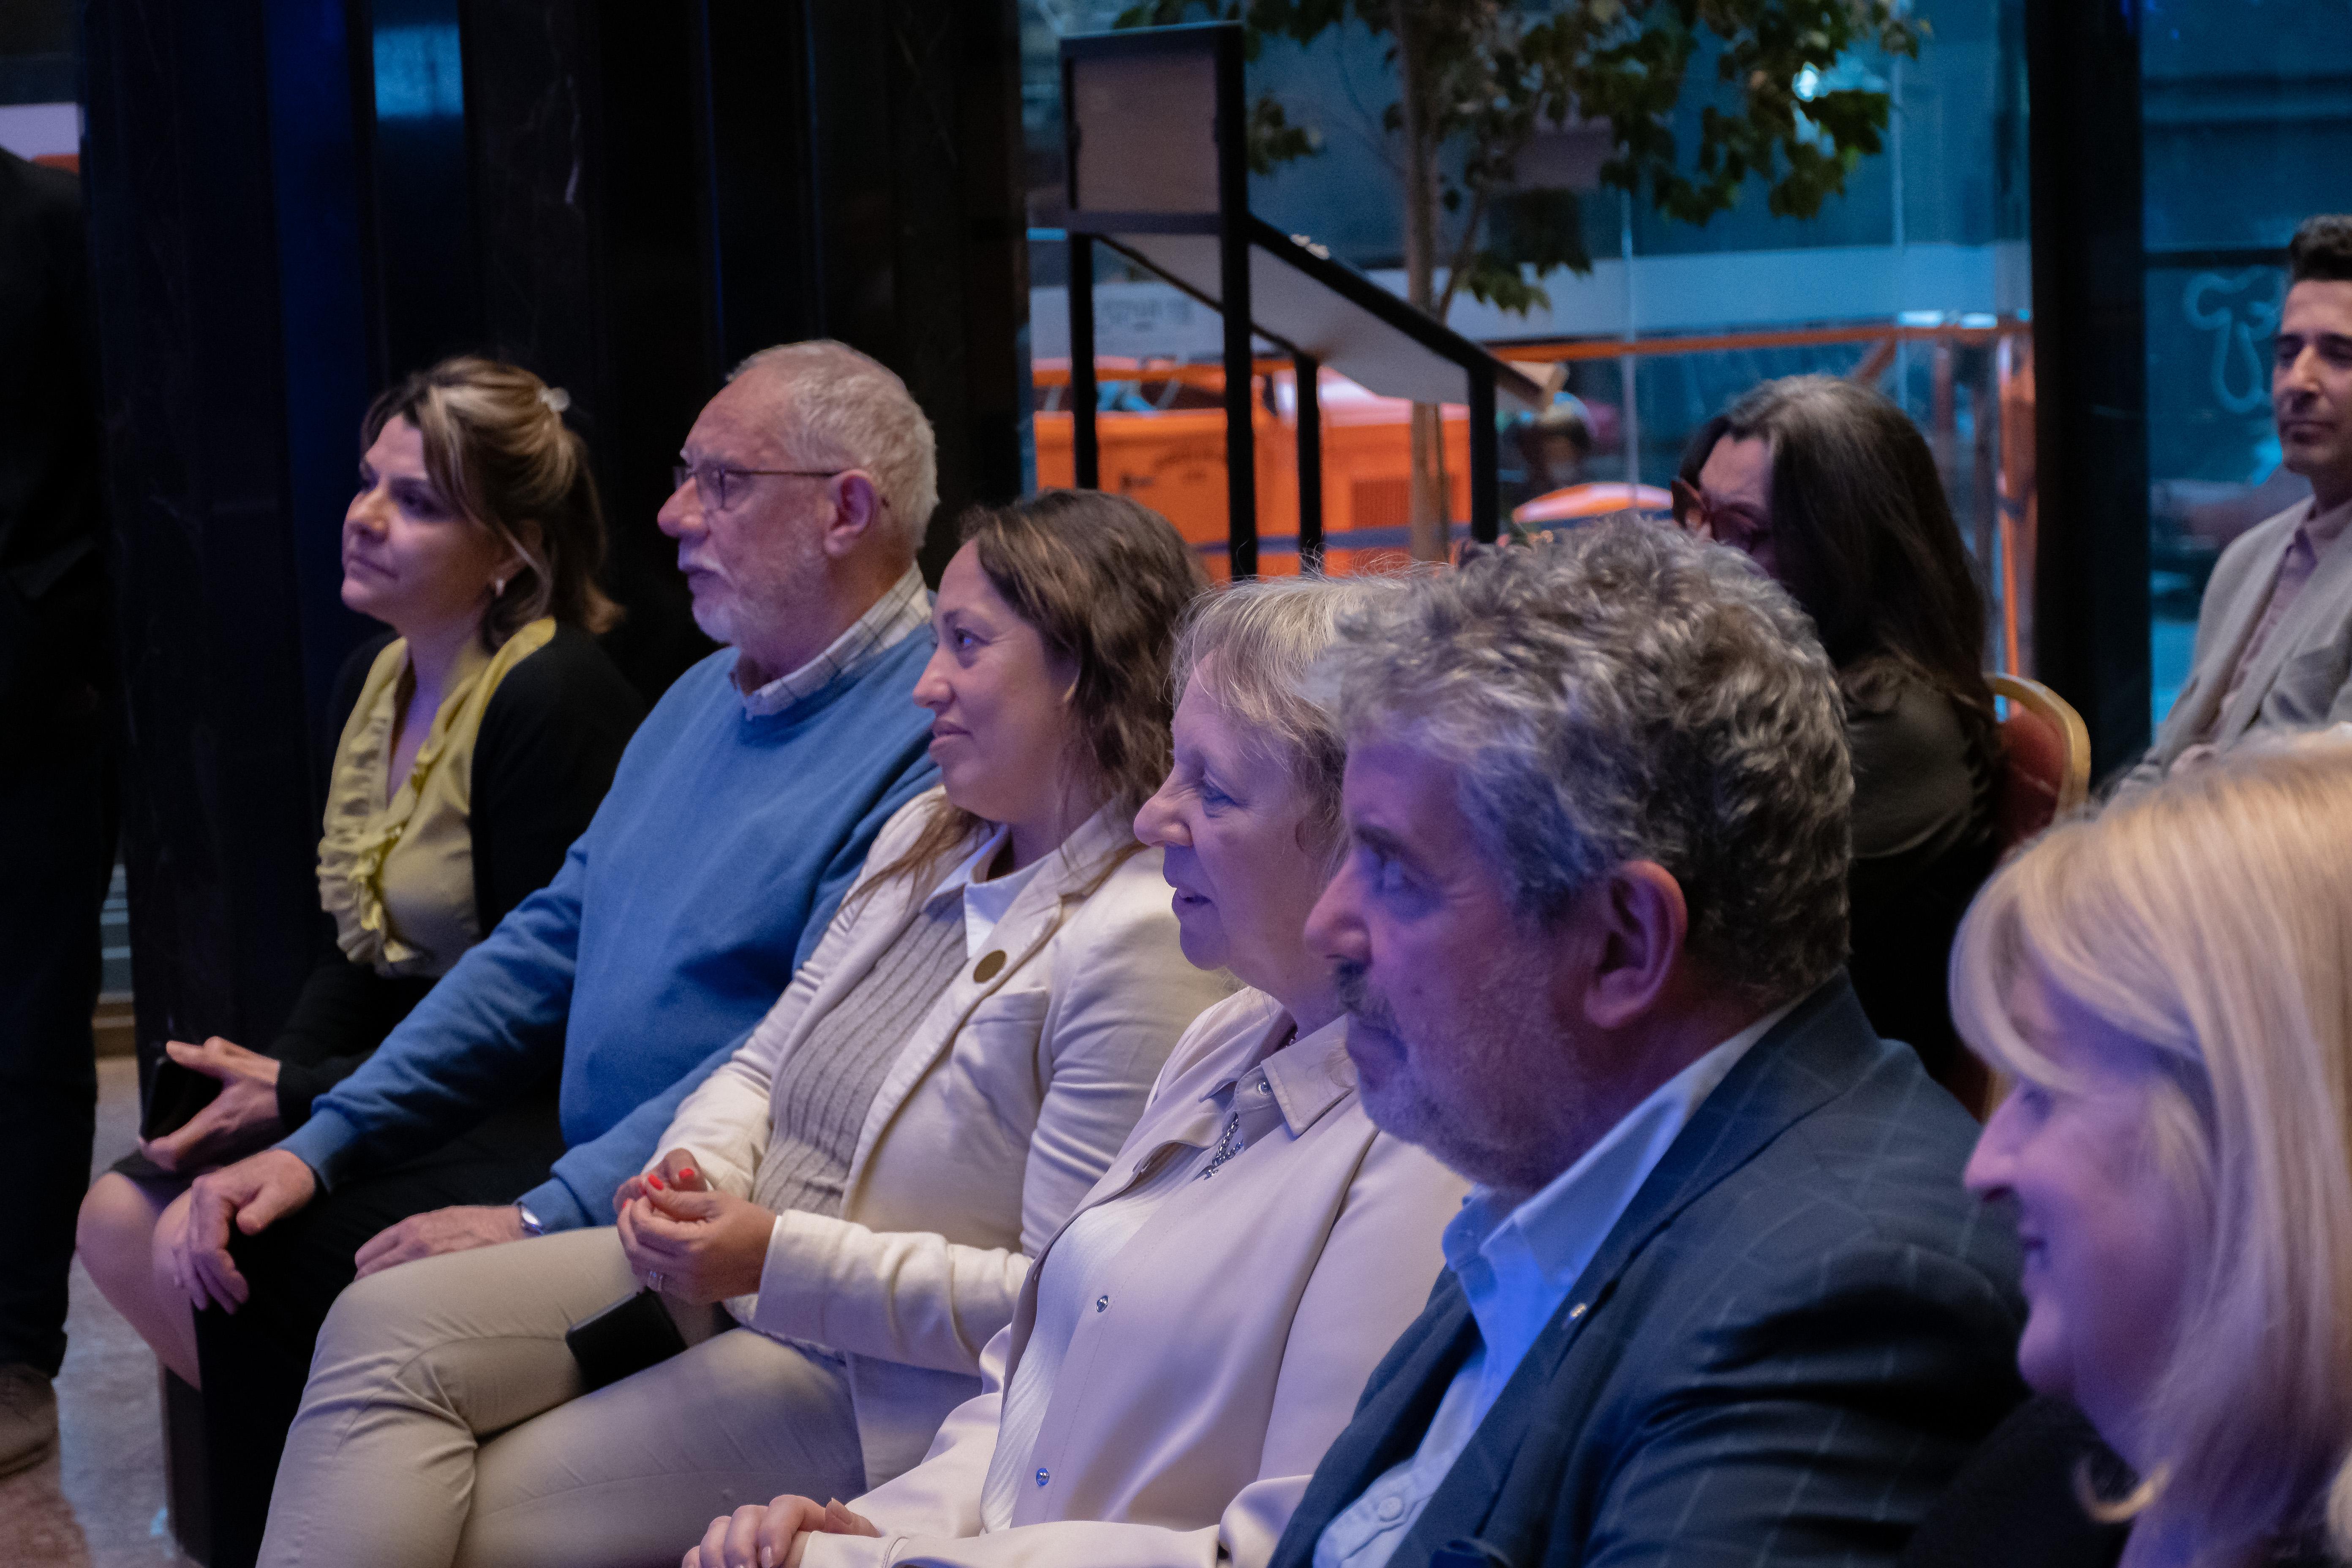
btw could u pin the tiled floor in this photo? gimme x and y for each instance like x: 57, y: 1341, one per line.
x: 100, y: 1504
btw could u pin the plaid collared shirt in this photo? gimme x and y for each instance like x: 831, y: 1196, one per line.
x: 898, y: 615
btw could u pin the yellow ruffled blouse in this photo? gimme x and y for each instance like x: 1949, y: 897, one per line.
x: 397, y: 874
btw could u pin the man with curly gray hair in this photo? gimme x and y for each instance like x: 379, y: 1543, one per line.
x: 1716, y: 1294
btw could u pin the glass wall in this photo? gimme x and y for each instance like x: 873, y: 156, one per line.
x: 1917, y: 280
x: 38, y: 119
x: 2247, y: 130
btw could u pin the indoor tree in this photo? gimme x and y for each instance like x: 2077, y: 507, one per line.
x: 1477, y: 79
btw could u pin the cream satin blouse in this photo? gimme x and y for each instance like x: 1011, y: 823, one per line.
x: 397, y: 874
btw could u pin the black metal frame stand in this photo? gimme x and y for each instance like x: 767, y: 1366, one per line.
x: 1242, y: 241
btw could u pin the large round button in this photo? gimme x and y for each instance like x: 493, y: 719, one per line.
x: 988, y: 967
x: 1391, y: 1506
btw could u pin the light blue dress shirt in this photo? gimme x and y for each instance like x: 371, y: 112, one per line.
x: 1517, y: 1268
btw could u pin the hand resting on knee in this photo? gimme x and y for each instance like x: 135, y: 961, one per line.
x: 774, y: 1536
x: 254, y: 1194
x: 459, y: 1228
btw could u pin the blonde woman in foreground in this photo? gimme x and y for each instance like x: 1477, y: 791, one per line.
x: 2168, y: 982
x: 1188, y: 1345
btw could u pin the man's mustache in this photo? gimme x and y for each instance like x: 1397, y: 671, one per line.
x: 1357, y: 995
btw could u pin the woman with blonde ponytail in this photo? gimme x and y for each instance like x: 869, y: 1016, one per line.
x: 472, y: 742
x: 2169, y: 982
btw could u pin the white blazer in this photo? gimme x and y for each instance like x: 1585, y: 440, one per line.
x: 1003, y: 1109
x: 1234, y: 1333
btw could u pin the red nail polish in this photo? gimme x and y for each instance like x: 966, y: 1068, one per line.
x: 655, y: 1182
x: 686, y: 1174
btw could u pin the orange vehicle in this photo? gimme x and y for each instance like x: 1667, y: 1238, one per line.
x: 1169, y: 454
x: 1581, y: 503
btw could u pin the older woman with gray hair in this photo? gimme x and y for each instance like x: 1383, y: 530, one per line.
x: 1188, y: 1345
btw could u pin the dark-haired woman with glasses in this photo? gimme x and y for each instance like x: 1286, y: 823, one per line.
x: 1832, y: 491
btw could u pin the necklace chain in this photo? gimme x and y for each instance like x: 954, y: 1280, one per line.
x: 1225, y: 1149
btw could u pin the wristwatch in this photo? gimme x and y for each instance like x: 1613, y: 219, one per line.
x: 530, y: 1223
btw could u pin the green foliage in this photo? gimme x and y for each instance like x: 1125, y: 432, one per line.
x: 1528, y: 234
x: 1490, y: 73
x: 1274, y: 140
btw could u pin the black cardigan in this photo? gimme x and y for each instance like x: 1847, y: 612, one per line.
x: 1922, y: 843
x: 2014, y: 1503
x: 550, y: 739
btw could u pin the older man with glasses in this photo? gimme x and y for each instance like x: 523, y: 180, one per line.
x: 740, y: 812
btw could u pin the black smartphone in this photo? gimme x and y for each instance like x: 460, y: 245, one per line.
x: 174, y: 1095
x: 632, y: 1334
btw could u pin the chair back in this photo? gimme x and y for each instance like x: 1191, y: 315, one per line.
x: 2046, y: 763
x: 2045, y: 772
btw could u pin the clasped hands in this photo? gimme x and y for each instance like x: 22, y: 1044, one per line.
x: 775, y: 1536
x: 686, y: 1240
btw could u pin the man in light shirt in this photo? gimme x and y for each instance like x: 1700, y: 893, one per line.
x: 1716, y: 1294
x: 2274, y: 635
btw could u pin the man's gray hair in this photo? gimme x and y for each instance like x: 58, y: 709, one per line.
x: 1629, y: 694
x: 846, y: 409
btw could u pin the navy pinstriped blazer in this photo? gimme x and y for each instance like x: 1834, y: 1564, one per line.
x: 1798, y: 1331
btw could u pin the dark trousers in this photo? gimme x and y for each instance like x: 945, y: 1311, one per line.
x: 56, y: 848
x: 255, y: 1361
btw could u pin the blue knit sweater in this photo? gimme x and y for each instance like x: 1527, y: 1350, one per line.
x: 708, y: 874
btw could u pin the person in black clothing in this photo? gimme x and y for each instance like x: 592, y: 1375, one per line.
x: 1832, y: 491
x: 57, y: 787
x: 474, y: 742
x: 2019, y: 1500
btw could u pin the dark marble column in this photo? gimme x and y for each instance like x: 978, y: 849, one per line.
x: 659, y: 191
x: 202, y: 461
x: 222, y: 167
x: 581, y: 120
x: 2090, y: 366
x: 864, y: 184
x: 961, y: 244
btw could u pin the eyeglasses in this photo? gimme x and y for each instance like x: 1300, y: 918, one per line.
x: 1724, y: 523
x: 719, y: 486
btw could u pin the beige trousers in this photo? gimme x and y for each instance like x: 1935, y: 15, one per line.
x: 444, y: 1423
